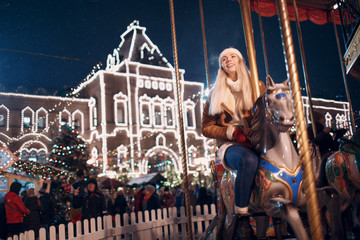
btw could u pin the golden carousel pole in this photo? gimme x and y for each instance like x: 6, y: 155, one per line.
x: 181, y: 124
x: 250, y: 46
x: 306, y: 77
x: 212, y: 162
x: 263, y: 41
x: 303, y: 144
x: 204, y: 43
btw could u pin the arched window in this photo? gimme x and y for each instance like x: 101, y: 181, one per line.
x: 120, y: 109
x: 160, y: 140
x: 122, y: 156
x: 4, y: 117
x: 93, y: 113
x: 65, y: 117
x: 27, y: 119
x: 192, y: 154
x: 42, y: 157
x: 78, y: 121
x: 42, y: 117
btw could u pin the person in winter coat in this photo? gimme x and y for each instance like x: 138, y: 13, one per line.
x: 167, y: 200
x: 32, y: 220
x: 179, y: 199
x: 139, y: 197
x: 92, y: 203
x: 120, y: 203
x: 15, y: 210
x: 226, y: 118
x: 151, y: 198
x: 47, y: 206
x: 3, y: 231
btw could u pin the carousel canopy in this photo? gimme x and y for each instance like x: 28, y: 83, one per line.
x: 317, y: 11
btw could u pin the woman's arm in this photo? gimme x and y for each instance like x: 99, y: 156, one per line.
x: 210, y: 127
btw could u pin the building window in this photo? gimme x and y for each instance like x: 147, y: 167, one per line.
x: 77, y: 124
x: 41, y: 119
x: 120, y: 112
x: 93, y: 113
x: 169, y: 112
x: 122, y: 156
x: 157, y: 115
x: 4, y: 116
x: 78, y: 121
x: 190, y: 113
x: 145, y: 110
x: 65, y: 118
x: 42, y: 157
x: 41, y: 122
x: 27, y: 122
x: 169, y: 116
x: 145, y: 115
x: 120, y: 105
x: 189, y: 118
x: 2, y: 120
x: 27, y: 116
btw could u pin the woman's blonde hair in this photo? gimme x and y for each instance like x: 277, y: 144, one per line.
x: 221, y: 93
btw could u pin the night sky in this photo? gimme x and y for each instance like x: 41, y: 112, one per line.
x: 82, y: 33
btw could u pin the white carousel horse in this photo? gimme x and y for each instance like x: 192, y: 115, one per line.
x: 278, y: 182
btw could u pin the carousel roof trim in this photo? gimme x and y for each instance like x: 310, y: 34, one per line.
x: 317, y: 11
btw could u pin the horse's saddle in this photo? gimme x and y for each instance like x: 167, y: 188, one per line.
x: 291, y: 179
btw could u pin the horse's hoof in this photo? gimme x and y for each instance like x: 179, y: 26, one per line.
x: 243, y: 229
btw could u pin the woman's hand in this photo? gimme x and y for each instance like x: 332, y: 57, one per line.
x: 241, y: 136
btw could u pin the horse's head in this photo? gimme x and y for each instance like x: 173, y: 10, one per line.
x: 279, y: 104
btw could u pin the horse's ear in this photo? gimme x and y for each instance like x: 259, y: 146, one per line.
x: 269, y: 81
x: 286, y: 82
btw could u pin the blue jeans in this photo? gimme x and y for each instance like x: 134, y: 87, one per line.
x: 245, y: 161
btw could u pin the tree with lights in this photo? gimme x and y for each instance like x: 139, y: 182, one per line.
x: 68, y: 151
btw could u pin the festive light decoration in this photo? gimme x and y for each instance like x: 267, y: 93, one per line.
x: 38, y: 170
x: 68, y: 151
x: 7, y: 159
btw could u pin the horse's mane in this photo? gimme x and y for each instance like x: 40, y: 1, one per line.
x: 264, y: 129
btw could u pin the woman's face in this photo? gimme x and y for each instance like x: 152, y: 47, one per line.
x: 230, y: 63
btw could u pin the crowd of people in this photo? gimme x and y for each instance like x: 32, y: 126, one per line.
x: 26, y: 210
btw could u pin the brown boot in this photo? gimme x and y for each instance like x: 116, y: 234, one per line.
x: 243, y: 229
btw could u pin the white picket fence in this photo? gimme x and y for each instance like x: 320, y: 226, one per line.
x: 163, y: 224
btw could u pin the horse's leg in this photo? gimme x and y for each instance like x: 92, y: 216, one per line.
x: 277, y: 227
x: 221, y: 221
x: 262, y: 224
x: 291, y: 215
x: 329, y: 198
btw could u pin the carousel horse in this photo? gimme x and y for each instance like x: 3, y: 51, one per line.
x: 343, y: 173
x: 278, y: 186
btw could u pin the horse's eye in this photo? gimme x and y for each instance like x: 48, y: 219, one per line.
x: 280, y: 95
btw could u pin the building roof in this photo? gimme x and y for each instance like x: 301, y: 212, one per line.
x: 136, y: 46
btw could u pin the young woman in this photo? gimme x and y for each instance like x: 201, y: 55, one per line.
x: 226, y: 118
